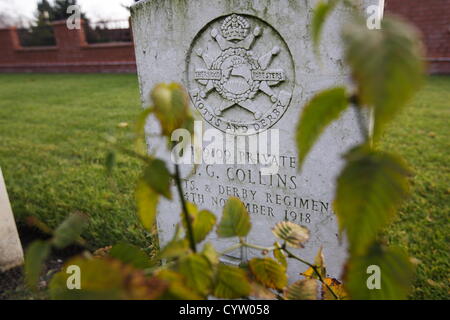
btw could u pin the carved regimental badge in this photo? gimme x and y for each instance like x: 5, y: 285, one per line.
x: 240, y: 74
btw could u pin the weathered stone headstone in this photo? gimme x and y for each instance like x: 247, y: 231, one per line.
x: 11, y: 254
x: 250, y: 67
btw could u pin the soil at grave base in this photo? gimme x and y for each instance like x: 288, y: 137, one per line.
x: 12, y: 285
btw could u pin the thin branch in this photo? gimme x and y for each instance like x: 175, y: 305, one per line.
x: 293, y: 256
x: 230, y: 249
x: 254, y: 246
x: 354, y: 101
x: 190, y: 232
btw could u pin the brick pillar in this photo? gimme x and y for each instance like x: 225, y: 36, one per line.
x: 66, y: 38
x: 9, y: 42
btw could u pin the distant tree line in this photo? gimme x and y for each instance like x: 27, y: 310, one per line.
x: 41, y: 31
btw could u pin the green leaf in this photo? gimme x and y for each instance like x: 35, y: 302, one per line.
x: 268, y: 272
x: 231, y: 283
x: 69, y: 230
x: 158, y: 177
x: 147, y: 204
x: 387, y: 65
x: 210, y: 253
x: 177, y: 289
x: 316, y: 116
x: 294, y: 234
x: 35, y: 257
x: 203, y: 225
x: 175, y: 249
x: 171, y: 106
x: 370, y: 188
x: 202, y: 222
x: 321, y: 12
x: 305, y: 289
x: 130, y: 254
x: 396, y: 274
x: 141, y: 121
x: 188, y: 124
x: 198, y: 272
x: 105, y: 279
x: 99, y: 280
x: 279, y: 255
x: 235, y: 220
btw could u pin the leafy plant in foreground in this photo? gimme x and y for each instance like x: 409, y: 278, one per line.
x: 386, y: 70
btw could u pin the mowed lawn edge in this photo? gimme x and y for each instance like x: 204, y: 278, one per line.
x: 52, y: 154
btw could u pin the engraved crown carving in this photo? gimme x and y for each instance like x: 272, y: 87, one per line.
x: 235, y: 27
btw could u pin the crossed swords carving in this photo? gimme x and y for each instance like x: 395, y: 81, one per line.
x: 267, y: 78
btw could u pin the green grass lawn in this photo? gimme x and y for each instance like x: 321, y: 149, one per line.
x: 52, y: 154
x: 52, y: 150
x: 421, y: 135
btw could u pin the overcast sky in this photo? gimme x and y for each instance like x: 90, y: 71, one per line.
x: 94, y: 9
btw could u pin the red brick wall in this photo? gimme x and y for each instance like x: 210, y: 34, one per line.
x: 432, y: 18
x: 71, y: 54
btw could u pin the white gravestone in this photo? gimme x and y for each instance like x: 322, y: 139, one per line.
x: 249, y: 67
x: 11, y: 254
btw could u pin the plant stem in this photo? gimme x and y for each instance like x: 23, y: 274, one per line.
x: 254, y: 246
x: 232, y: 248
x: 190, y: 232
x: 291, y: 255
x: 360, y: 119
